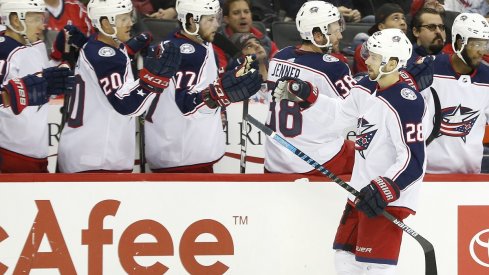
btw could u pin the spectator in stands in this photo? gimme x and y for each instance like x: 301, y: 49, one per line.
x: 67, y: 12
x: 346, y: 8
x: 163, y: 9
x: 369, y: 8
x: 448, y: 17
x: 387, y: 16
x: 429, y: 33
x: 475, y: 6
x: 248, y: 44
x: 238, y: 19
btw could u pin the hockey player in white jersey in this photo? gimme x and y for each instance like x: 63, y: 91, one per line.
x: 390, y: 155
x: 462, y: 83
x: 183, y: 129
x: 29, y: 78
x: 319, y: 24
x: 99, y: 134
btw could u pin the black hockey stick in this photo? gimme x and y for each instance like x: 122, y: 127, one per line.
x: 437, y: 122
x: 244, y: 138
x: 429, y: 250
x: 142, y: 156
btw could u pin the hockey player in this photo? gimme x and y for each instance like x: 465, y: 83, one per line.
x: 99, y: 134
x: 462, y: 83
x: 320, y: 25
x: 27, y: 76
x: 390, y: 155
x: 184, y: 130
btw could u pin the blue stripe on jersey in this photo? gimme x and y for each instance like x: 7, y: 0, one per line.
x: 188, y: 74
x: 111, y: 72
x: 334, y: 68
x: 7, y: 45
x: 410, y: 113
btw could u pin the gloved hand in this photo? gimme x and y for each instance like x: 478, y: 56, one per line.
x: 29, y: 90
x: 376, y: 196
x: 422, y: 71
x: 294, y: 89
x: 160, y: 65
x: 139, y: 43
x: 234, y: 86
x: 76, y: 38
x: 59, y: 79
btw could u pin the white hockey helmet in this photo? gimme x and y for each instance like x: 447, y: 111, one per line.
x: 96, y: 9
x: 389, y: 43
x: 197, y: 8
x: 468, y: 25
x: 318, y: 14
x: 21, y: 7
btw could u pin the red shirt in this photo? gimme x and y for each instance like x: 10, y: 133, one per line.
x: 73, y: 13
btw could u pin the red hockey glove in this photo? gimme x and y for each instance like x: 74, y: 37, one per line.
x: 234, y: 86
x: 160, y: 65
x: 27, y: 91
x: 376, y: 196
x: 294, y: 89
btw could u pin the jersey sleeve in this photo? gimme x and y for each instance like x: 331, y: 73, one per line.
x: 190, y: 80
x: 404, y: 124
x: 113, y: 75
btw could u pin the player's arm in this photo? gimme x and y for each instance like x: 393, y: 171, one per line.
x: 134, y: 97
x: 233, y: 86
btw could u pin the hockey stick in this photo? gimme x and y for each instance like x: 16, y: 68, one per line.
x: 437, y: 123
x: 244, y: 138
x: 429, y: 250
x: 142, y: 156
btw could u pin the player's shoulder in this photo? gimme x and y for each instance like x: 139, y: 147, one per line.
x: 7, y: 46
x: 101, y: 55
x: 442, y: 64
x: 403, y: 98
x: 482, y: 75
x: 286, y: 53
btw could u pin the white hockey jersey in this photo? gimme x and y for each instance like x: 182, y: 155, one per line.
x: 99, y: 133
x: 180, y: 130
x: 464, y: 101
x: 390, y: 135
x: 26, y: 133
x: 333, y: 79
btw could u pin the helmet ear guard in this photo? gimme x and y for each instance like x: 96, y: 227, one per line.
x: 317, y: 14
x: 197, y: 8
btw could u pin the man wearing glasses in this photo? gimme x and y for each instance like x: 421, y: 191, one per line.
x: 462, y: 84
x: 428, y: 32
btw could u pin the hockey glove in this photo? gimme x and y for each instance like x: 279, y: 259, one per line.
x: 422, y: 72
x: 294, y: 89
x: 376, y: 196
x: 76, y: 38
x: 60, y: 80
x: 30, y: 90
x: 234, y: 86
x: 138, y: 43
x: 160, y: 65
